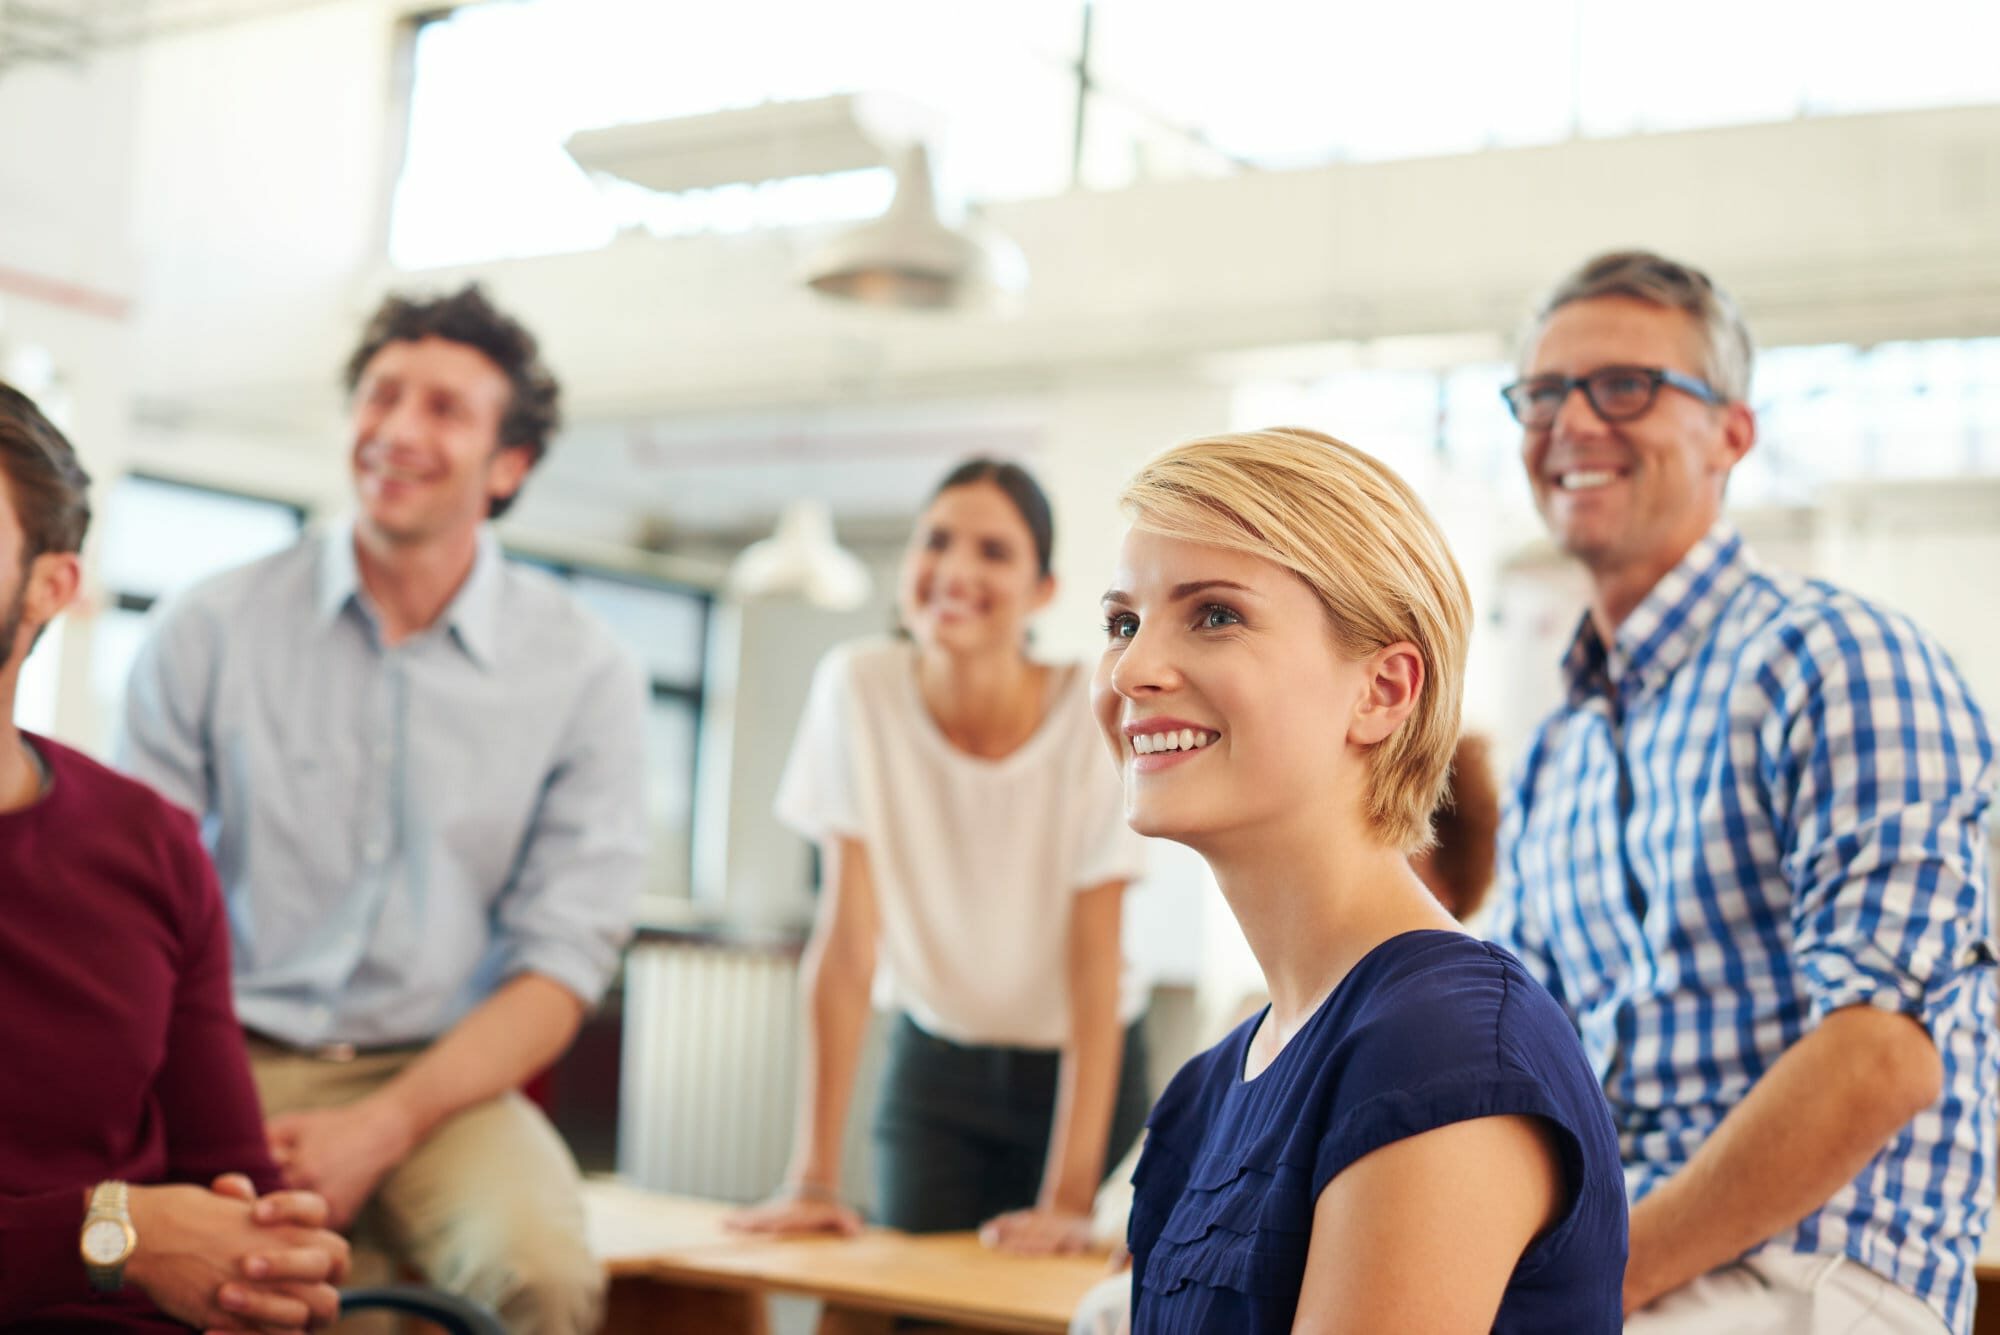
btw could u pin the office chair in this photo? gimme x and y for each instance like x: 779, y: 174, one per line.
x: 458, y: 1316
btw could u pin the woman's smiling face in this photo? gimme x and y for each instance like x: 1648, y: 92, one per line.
x: 970, y: 578
x: 1222, y: 691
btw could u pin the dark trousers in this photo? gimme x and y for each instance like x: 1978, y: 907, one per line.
x: 962, y: 1132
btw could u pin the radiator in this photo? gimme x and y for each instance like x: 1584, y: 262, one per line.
x: 711, y: 1053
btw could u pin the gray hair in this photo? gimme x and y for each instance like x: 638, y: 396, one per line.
x: 1645, y: 276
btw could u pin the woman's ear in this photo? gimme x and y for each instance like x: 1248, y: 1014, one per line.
x: 1394, y: 678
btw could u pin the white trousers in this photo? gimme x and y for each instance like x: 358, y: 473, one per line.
x: 1788, y: 1294
x: 1765, y: 1295
x: 1106, y: 1309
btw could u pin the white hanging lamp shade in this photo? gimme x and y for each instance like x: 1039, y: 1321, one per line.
x: 908, y: 256
x: 802, y: 560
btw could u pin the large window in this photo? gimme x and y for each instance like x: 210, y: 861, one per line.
x: 1838, y: 413
x: 1826, y: 414
x: 158, y: 536
x: 666, y: 626
x: 1172, y: 90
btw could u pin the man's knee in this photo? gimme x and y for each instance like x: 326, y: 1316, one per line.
x: 542, y: 1281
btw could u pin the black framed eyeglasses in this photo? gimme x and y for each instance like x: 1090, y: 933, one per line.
x: 1616, y: 393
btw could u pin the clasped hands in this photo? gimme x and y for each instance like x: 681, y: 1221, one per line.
x: 225, y: 1260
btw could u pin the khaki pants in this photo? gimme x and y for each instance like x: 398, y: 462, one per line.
x: 488, y: 1206
x: 1779, y: 1293
x: 1766, y: 1295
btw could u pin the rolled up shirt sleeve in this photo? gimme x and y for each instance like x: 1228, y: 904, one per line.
x: 569, y: 909
x: 1883, y: 775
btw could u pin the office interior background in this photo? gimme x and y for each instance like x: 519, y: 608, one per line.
x: 1131, y: 222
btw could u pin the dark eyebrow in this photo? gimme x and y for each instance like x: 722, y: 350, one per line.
x: 1181, y: 591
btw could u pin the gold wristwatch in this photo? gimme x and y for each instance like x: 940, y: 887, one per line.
x: 108, y: 1239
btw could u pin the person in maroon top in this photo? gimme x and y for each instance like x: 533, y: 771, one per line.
x: 121, y: 1056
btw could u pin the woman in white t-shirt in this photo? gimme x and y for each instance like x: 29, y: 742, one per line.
x: 974, y: 856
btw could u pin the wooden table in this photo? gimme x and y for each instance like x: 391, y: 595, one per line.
x: 1986, y: 1316
x: 675, y: 1270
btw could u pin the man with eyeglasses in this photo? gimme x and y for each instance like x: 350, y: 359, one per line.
x: 1748, y: 854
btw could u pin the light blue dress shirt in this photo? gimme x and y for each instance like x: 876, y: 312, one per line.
x: 397, y: 829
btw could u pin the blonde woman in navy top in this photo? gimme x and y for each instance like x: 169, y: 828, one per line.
x: 1408, y: 1138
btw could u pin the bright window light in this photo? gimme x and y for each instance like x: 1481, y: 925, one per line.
x: 1179, y: 90
x: 1825, y: 414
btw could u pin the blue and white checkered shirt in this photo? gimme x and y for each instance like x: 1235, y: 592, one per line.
x: 1766, y: 800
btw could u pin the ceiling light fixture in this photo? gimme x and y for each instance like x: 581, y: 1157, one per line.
x: 802, y: 559
x: 910, y: 257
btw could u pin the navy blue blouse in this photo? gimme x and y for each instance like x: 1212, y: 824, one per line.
x: 1430, y: 1028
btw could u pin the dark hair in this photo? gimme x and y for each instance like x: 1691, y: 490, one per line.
x: 51, y: 490
x: 1467, y: 823
x: 468, y: 317
x: 1022, y: 489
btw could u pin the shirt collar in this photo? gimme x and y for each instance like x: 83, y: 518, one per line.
x: 339, y: 577
x: 1663, y: 630
x: 472, y: 616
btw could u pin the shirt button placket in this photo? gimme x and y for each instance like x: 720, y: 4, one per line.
x: 382, y: 766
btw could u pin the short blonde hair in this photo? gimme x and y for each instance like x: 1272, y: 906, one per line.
x: 1346, y: 524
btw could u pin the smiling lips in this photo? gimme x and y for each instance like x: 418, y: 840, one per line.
x: 1585, y: 479
x: 384, y: 465
x: 953, y: 608
x: 1163, y: 741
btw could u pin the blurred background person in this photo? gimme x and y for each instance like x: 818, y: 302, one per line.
x: 419, y: 768
x: 974, y: 863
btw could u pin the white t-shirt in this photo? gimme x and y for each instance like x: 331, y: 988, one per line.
x: 974, y: 860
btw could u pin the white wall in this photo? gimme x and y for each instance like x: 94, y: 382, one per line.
x: 1851, y: 228
x: 759, y: 681
x: 265, y: 155
x: 66, y: 275
x: 1930, y: 550
x: 268, y: 149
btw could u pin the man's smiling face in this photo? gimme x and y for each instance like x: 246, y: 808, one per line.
x: 1632, y: 495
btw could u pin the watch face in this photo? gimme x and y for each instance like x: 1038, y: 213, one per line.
x: 105, y: 1242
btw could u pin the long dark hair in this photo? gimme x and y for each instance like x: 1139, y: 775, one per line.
x: 1022, y: 489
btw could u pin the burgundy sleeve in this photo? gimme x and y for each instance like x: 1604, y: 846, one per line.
x: 207, y: 1100
x: 39, y: 1264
